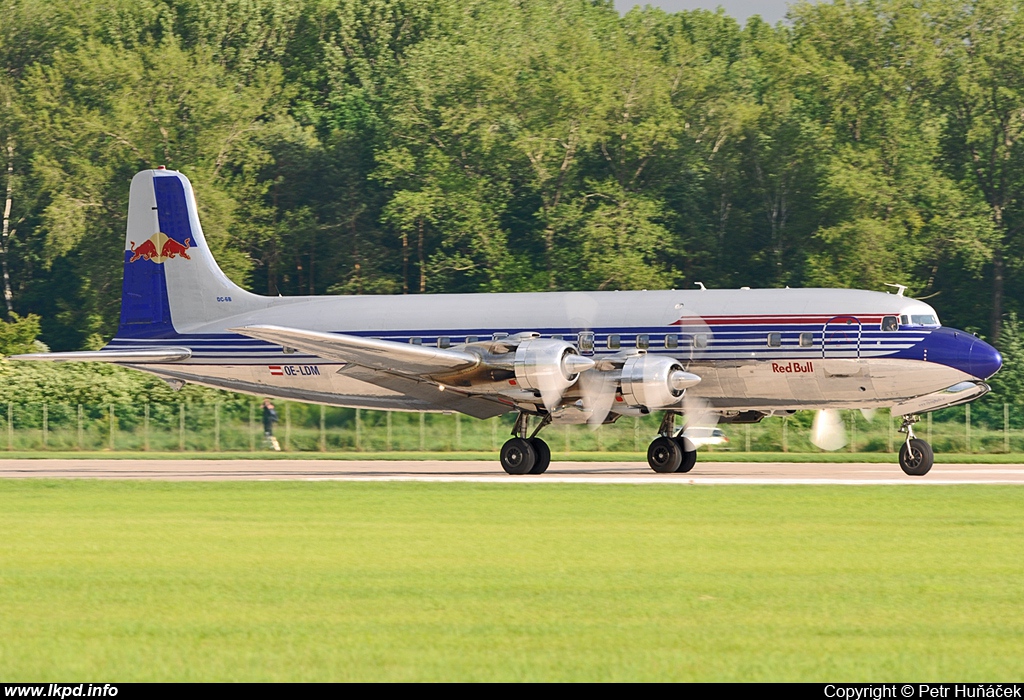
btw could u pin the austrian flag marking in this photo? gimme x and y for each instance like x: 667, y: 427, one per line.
x: 294, y: 370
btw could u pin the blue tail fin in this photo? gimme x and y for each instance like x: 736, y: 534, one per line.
x: 171, y: 282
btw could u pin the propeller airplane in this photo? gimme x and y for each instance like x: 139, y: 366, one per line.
x: 730, y: 356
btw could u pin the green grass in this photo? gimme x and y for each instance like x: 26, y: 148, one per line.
x: 133, y: 581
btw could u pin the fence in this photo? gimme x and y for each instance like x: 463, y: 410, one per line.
x: 237, y: 427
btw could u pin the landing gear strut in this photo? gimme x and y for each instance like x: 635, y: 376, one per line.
x: 916, y: 456
x: 671, y: 453
x: 526, y: 455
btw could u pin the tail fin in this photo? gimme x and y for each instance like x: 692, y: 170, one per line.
x: 171, y: 281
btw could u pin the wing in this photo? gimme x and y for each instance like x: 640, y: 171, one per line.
x: 476, y: 405
x: 385, y: 355
x: 401, y: 367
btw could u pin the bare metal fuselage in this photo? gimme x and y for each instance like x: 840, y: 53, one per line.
x: 831, y: 351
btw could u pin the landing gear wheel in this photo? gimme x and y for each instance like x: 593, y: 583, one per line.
x: 664, y: 455
x: 543, y: 456
x: 689, y: 454
x: 916, y: 457
x: 518, y: 456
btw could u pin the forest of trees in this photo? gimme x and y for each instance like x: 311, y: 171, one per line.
x: 417, y: 146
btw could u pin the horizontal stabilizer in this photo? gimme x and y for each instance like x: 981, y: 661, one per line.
x: 366, y: 352
x: 142, y: 356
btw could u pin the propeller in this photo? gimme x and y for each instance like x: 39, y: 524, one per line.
x: 551, y: 380
x: 868, y: 413
x: 598, y: 386
x: 827, y: 431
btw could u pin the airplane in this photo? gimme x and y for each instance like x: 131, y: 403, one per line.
x: 553, y: 358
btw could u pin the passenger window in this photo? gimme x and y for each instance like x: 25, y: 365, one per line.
x: 806, y: 340
x: 472, y: 339
x: 889, y: 323
x: 643, y: 341
x: 671, y: 341
x: 586, y: 342
x: 416, y: 341
x: 556, y: 336
x: 499, y: 336
x: 444, y: 342
x: 614, y: 342
x: 700, y: 340
x: 775, y: 340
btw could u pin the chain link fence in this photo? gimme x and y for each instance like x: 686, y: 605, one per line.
x: 238, y: 427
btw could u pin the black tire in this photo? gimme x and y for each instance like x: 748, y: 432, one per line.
x: 689, y: 454
x: 664, y: 455
x: 916, y: 457
x: 543, y: 456
x: 518, y: 456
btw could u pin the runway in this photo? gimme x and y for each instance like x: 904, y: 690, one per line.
x: 708, y: 473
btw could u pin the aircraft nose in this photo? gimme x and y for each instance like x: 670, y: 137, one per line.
x: 984, y: 360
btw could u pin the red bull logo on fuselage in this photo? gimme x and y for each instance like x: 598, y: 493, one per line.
x: 159, y: 248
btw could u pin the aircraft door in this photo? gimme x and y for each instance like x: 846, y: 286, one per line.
x: 840, y: 337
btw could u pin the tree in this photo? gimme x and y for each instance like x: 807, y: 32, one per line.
x: 980, y: 49
x: 99, y: 114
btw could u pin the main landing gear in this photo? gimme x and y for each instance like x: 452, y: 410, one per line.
x: 526, y: 455
x: 671, y: 453
x: 916, y: 456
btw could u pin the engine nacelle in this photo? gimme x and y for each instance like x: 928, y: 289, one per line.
x: 654, y: 382
x: 548, y: 366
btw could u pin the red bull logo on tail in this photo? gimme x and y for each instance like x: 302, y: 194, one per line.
x: 159, y: 248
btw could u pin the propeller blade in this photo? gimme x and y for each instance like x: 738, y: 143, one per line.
x: 551, y: 381
x: 550, y: 384
x: 598, y: 390
x: 700, y: 419
x: 827, y: 431
x: 698, y: 413
x: 868, y: 413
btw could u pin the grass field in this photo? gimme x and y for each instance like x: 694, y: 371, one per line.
x: 353, y: 581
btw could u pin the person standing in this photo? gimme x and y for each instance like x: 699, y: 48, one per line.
x: 269, y: 418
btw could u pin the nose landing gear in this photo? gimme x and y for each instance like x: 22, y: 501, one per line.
x: 526, y: 455
x: 916, y: 456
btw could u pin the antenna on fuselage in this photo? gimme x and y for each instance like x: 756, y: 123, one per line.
x: 701, y: 285
x: 900, y: 288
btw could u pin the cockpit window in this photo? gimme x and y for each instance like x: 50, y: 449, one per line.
x: 889, y: 323
x: 919, y: 320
